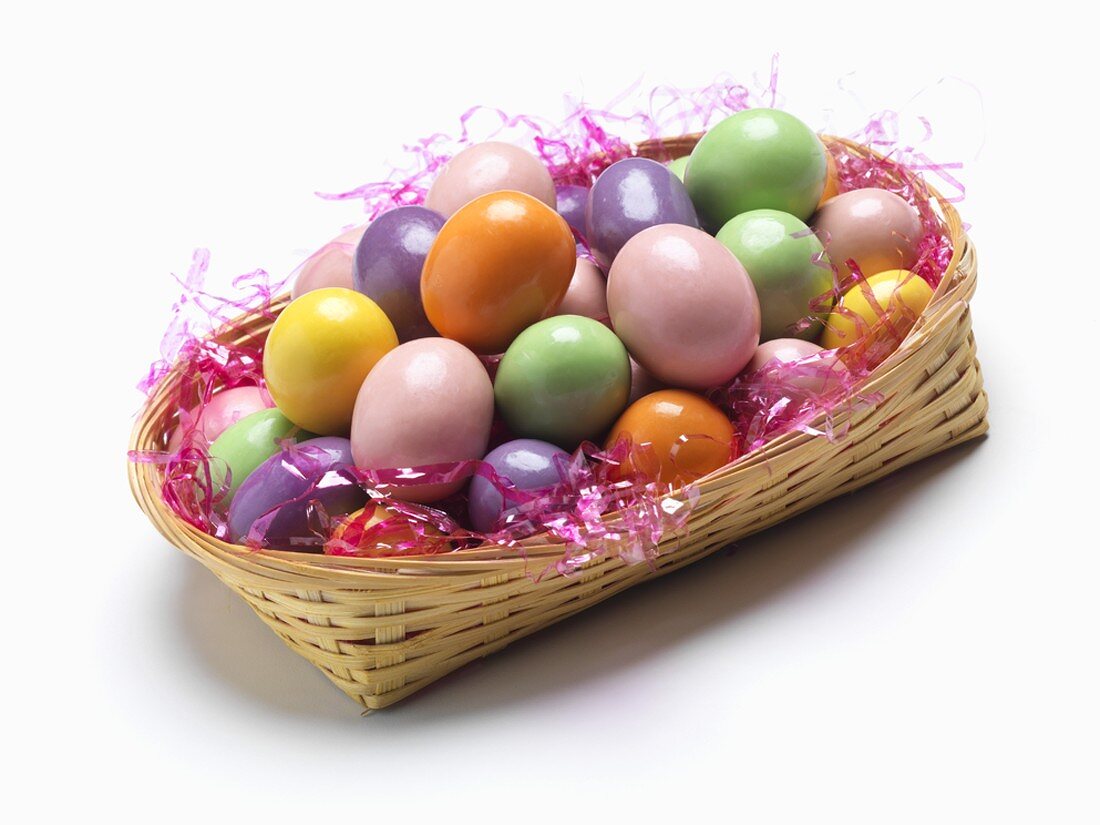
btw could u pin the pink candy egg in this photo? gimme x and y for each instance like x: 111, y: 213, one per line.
x: 641, y: 382
x: 587, y: 293
x: 875, y: 228
x: 783, y: 350
x: 224, y: 408
x: 429, y: 401
x: 813, y: 376
x: 489, y: 167
x: 684, y: 306
x: 331, y: 265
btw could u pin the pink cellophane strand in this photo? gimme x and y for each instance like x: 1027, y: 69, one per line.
x: 576, y: 147
x: 572, y: 514
x: 904, y: 170
x: 599, y: 509
x: 202, y: 366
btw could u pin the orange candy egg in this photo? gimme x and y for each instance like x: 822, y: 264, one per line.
x: 689, y: 437
x: 832, y: 179
x: 499, y: 264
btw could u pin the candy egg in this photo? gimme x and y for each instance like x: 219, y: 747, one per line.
x: 398, y: 537
x: 307, y: 483
x: 679, y: 166
x: 875, y: 228
x: 815, y: 377
x: 641, y: 382
x: 787, y: 266
x: 527, y: 463
x: 689, y: 437
x: 318, y: 352
x: 587, y: 293
x: 684, y: 306
x: 572, y: 202
x: 430, y: 401
x: 247, y: 444
x: 563, y: 380
x: 832, y: 179
x: 756, y: 159
x: 489, y: 167
x: 783, y: 351
x: 222, y: 410
x: 629, y: 196
x: 498, y: 265
x: 330, y: 265
x: 887, y: 304
x: 388, y: 262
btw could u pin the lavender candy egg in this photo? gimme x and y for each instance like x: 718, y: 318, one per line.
x: 632, y: 195
x: 321, y: 464
x: 572, y: 203
x: 527, y: 463
x: 388, y: 262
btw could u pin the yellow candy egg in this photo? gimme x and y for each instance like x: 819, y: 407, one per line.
x: 318, y: 352
x: 887, y: 305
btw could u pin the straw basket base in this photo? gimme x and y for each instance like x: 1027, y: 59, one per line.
x: 380, y: 645
x: 381, y: 629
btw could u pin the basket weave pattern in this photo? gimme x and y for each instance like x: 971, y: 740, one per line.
x: 381, y: 629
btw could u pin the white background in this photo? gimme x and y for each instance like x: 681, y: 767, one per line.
x: 922, y: 651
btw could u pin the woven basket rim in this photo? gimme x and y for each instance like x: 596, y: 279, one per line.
x: 953, y: 292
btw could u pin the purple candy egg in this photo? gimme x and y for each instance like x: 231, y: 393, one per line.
x: 572, y: 202
x: 527, y: 463
x: 632, y: 195
x: 292, y: 483
x: 387, y: 266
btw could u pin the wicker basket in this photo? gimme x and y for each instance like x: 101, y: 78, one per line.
x: 382, y: 629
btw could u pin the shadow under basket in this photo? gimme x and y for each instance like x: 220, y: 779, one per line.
x: 382, y: 629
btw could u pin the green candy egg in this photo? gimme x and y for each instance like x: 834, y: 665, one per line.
x: 756, y: 159
x: 247, y: 444
x: 563, y: 380
x: 679, y: 166
x: 788, y: 267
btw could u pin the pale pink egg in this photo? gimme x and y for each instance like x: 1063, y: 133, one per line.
x: 224, y: 409
x: 429, y: 401
x: 684, y: 306
x: 783, y: 350
x: 489, y: 167
x: 641, y: 382
x: 331, y: 265
x: 875, y: 228
x: 789, y: 361
x: 587, y: 293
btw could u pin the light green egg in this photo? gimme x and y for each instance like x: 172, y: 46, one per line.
x: 756, y: 159
x: 245, y: 445
x: 679, y: 166
x: 563, y: 380
x: 788, y: 268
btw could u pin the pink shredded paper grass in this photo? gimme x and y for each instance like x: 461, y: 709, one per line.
x: 763, y: 405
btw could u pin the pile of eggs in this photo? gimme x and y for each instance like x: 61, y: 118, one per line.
x: 557, y: 315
